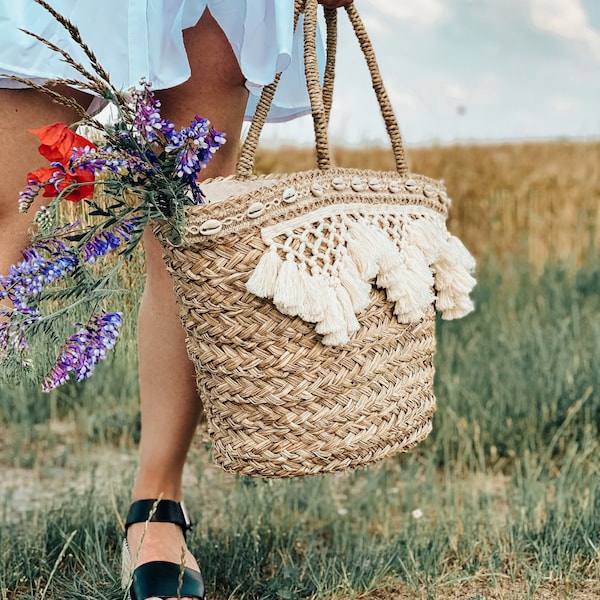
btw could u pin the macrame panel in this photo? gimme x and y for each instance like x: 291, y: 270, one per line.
x: 321, y: 266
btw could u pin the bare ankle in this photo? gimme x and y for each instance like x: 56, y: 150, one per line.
x: 143, y: 490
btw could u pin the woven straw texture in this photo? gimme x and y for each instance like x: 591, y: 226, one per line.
x: 279, y: 402
x: 309, y: 301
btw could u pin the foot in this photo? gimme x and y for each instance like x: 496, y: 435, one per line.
x: 161, y: 541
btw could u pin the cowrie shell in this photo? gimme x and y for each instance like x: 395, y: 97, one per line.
x: 255, y: 210
x: 357, y: 185
x: 411, y: 185
x: 429, y: 191
x: 375, y: 184
x: 317, y: 189
x: 394, y: 186
x: 211, y: 227
x: 290, y: 195
x: 338, y: 184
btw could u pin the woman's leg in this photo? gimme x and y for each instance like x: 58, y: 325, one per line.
x: 168, y: 390
x: 170, y: 406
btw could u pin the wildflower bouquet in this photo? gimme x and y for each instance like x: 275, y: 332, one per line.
x: 139, y: 169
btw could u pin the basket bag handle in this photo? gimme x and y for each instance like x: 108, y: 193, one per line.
x: 321, y: 98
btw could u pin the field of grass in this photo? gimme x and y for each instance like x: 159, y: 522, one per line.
x: 502, y: 501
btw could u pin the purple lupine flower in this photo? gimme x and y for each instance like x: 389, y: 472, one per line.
x: 28, y: 195
x: 134, y: 162
x: 11, y: 337
x: 197, y: 193
x: 102, y: 243
x: 213, y: 141
x: 195, y: 146
x: 106, y: 241
x: 58, y: 176
x: 84, y: 349
x: 148, y: 121
x: 33, y: 187
x: 13, y: 333
x: 97, y: 161
x: 42, y: 264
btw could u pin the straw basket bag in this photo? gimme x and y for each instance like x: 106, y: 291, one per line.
x: 309, y: 300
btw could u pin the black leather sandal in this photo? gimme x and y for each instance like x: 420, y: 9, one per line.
x: 159, y: 578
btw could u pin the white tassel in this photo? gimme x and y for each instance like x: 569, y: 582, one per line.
x: 461, y: 310
x: 444, y: 300
x: 443, y: 274
x: 352, y: 324
x: 463, y: 256
x: 263, y: 279
x: 453, y: 280
x: 453, y: 275
x: 394, y: 282
x: 405, y: 314
x: 368, y: 246
x: 454, y: 284
x: 338, y: 338
x: 359, y: 290
x: 409, y: 285
x: 312, y: 306
x: 416, y: 261
x: 370, y: 238
x: 389, y: 260
x: 454, y: 307
x: 288, y: 296
x: 364, y: 250
x: 463, y: 282
x: 421, y: 279
x: 427, y: 236
x: 392, y: 270
x: 333, y: 323
x: 365, y: 262
x: 412, y: 305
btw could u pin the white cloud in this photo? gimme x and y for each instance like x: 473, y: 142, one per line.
x: 421, y: 12
x: 403, y: 100
x: 560, y: 104
x: 374, y: 25
x: 455, y: 91
x: 568, y: 19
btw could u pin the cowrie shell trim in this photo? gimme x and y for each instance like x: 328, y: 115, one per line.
x: 289, y: 195
x: 211, y: 227
x: 255, y: 210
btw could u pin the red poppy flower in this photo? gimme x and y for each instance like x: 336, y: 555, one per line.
x: 58, y: 141
x: 80, y: 192
x: 43, y: 176
x: 57, y: 144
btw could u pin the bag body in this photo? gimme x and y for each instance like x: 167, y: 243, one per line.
x: 309, y: 302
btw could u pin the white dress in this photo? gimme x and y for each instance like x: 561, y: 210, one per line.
x: 143, y: 38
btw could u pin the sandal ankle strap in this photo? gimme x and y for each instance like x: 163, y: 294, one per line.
x: 161, y: 511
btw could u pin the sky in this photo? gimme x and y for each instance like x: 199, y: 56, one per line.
x: 468, y: 71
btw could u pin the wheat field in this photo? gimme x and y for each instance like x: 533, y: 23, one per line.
x: 539, y: 201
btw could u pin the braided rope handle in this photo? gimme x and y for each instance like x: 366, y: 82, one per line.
x: 321, y: 98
